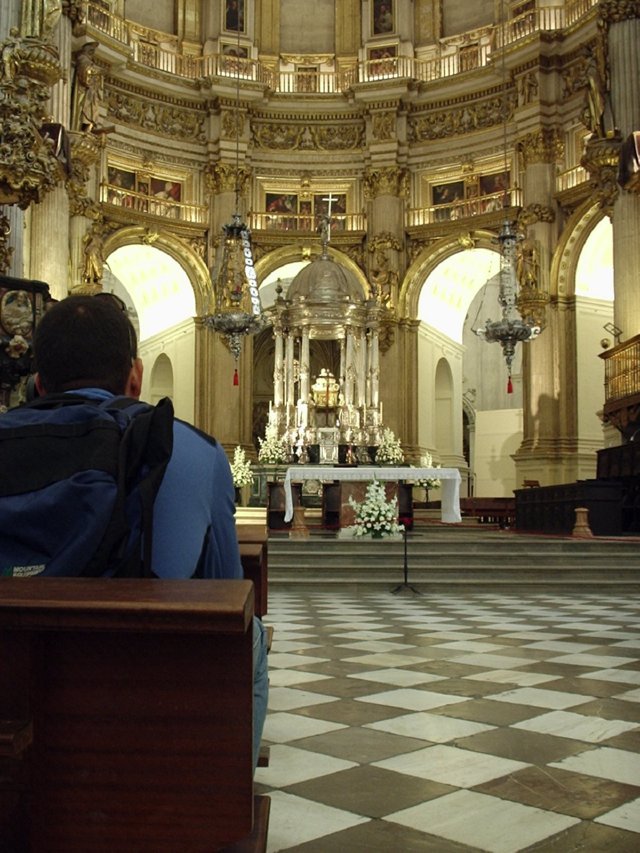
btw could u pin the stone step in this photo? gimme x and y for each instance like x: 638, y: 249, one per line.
x: 444, y: 555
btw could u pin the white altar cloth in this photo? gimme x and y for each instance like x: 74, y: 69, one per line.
x: 449, y: 478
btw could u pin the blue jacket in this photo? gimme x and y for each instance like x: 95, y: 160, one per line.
x: 194, y: 508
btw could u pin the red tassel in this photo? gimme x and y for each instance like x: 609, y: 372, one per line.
x: 509, y: 386
x: 236, y: 381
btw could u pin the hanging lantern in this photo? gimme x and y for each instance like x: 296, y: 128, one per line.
x: 511, y: 329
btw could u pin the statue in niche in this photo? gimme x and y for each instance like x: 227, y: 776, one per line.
x: 528, y: 264
x: 384, y: 281
x: 87, y: 89
x: 39, y: 18
x: 597, y: 114
x: 93, y: 258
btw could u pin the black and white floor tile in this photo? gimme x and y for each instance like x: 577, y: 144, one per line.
x: 497, y: 721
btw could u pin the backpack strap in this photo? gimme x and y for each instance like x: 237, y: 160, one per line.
x: 146, y: 446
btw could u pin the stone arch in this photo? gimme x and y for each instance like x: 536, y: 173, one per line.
x: 565, y: 258
x: 444, y: 406
x: 429, y: 258
x: 194, y: 266
x: 161, y: 378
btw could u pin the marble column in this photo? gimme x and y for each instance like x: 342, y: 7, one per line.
x: 289, y: 383
x: 304, y: 378
x: 623, y: 42
x: 278, y: 372
x: 548, y: 452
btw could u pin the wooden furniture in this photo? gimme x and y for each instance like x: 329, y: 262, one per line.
x: 276, y: 505
x: 552, y: 509
x: 501, y: 511
x: 127, y: 709
x: 253, y: 542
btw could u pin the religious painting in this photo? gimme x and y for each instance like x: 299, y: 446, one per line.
x: 446, y: 199
x: 234, y: 15
x: 383, y: 61
x: 234, y: 58
x: 306, y: 216
x: 382, y: 17
x: 472, y: 196
x: 120, y: 180
x: 281, y: 203
x: 494, y: 186
x: 338, y: 203
x: 164, y: 189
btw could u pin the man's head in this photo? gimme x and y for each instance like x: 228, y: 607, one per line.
x: 87, y: 342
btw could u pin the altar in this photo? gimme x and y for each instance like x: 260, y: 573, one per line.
x: 449, y: 478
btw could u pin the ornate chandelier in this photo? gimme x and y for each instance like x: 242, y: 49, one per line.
x: 523, y: 310
x: 511, y: 329
x: 237, y: 311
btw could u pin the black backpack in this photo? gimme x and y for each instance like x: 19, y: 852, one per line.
x: 78, y: 480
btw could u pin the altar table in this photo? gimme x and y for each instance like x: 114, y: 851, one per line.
x: 449, y: 482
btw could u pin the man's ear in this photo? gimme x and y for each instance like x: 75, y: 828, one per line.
x: 134, y: 382
x: 39, y: 386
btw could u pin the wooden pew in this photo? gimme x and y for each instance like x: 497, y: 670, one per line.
x: 127, y: 717
x: 253, y: 542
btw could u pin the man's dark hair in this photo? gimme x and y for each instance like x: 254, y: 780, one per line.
x: 85, y: 342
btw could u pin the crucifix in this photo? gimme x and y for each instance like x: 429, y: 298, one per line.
x: 329, y: 199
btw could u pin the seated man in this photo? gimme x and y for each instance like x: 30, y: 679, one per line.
x: 87, y: 345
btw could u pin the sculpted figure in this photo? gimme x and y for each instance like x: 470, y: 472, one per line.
x: 39, y: 17
x: 87, y: 89
x: 9, y: 54
x: 597, y: 114
x: 93, y: 258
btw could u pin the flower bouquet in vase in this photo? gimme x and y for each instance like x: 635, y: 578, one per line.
x: 376, y: 516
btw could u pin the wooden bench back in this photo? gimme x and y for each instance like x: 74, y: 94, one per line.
x: 137, y: 695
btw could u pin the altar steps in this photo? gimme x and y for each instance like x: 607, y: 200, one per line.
x: 441, y: 555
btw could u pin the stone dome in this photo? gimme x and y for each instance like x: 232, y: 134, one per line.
x: 325, y: 281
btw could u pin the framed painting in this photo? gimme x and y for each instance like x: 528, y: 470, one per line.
x: 234, y: 58
x: 382, y: 60
x: 492, y: 190
x: 162, y: 188
x: 448, y: 193
x: 495, y: 183
x: 446, y: 199
x: 234, y: 17
x: 281, y: 203
x: 383, y: 22
x: 338, y: 204
x: 120, y: 181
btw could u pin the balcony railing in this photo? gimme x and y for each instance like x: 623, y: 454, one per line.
x: 138, y: 202
x: 622, y: 370
x: 340, y: 222
x: 161, y: 51
x: 462, y: 209
x: 571, y: 178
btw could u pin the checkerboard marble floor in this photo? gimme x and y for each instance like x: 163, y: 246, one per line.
x: 486, y: 720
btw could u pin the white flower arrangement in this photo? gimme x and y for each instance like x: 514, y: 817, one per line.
x: 389, y: 450
x: 426, y: 461
x: 241, y: 469
x: 273, y: 450
x: 376, y: 516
